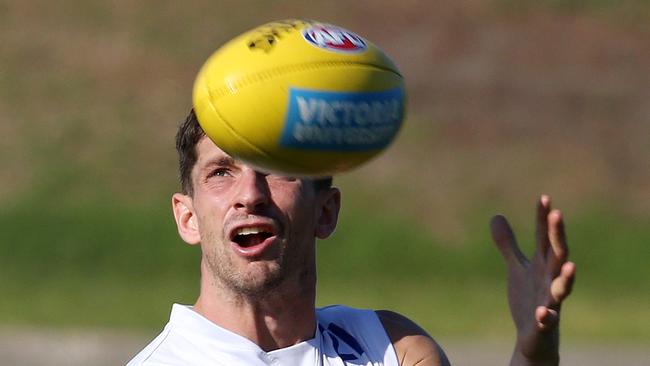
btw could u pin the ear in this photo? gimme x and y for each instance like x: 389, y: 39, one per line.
x: 186, y: 220
x: 330, y: 205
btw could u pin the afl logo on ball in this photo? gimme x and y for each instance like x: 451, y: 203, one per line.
x: 334, y: 38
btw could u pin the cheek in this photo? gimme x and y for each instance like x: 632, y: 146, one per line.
x: 303, y: 217
x: 210, y: 219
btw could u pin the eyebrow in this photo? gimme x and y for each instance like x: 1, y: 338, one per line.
x: 220, y: 161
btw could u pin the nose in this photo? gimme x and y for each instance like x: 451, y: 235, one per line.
x: 253, y: 191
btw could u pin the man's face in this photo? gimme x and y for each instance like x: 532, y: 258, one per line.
x: 256, y: 230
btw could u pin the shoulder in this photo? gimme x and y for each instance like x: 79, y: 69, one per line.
x: 343, y: 312
x: 179, y: 343
x: 357, y: 333
x: 412, y: 344
x: 144, y: 355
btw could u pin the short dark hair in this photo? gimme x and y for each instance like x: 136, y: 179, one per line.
x: 188, y: 136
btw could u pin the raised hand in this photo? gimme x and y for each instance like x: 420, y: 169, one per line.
x: 536, y: 287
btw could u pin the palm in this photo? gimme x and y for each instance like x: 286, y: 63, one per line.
x: 537, y: 287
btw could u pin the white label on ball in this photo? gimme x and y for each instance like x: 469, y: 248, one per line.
x: 334, y: 38
x: 337, y: 121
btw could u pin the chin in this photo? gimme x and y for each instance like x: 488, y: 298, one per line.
x: 260, y: 279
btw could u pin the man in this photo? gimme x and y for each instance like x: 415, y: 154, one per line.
x: 256, y: 306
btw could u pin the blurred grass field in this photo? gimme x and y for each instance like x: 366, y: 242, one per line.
x: 507, y: 100
x: 123, y: 266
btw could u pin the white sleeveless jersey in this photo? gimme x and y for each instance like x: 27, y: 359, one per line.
x: 344, y: 337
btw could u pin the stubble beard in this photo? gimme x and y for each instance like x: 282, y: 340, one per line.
x: 255, y: 280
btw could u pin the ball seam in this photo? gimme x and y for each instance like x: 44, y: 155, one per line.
x: 265, y: 75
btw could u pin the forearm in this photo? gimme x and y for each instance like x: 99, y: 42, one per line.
x: 520, y: 360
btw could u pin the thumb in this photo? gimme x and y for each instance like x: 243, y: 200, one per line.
x: 504, y: 238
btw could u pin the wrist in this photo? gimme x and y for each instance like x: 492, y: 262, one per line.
x: 521, y: 358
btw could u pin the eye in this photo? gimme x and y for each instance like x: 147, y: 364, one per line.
x: 219, y: 172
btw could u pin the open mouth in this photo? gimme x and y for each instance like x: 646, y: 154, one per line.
x: 250, y: 236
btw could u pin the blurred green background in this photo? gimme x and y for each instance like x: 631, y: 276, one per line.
x: 507, y: 100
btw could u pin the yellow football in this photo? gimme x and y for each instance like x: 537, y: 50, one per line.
x: 301, y: 98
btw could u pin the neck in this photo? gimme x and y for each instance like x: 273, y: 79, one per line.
x: 277, y: 319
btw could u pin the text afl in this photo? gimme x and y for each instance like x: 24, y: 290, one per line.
x: 333, y: 38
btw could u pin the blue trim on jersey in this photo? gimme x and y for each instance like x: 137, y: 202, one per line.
x: 335, y: 333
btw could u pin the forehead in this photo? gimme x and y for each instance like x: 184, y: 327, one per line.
x: 207, y: 151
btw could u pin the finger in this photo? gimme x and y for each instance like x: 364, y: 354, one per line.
x: 546, y: 318
x: 504, y: 239
x: 543, y: 209
x: 562, y: 285
x: 557, y: 237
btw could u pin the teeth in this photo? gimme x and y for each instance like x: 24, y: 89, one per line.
x: 249, y: 231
